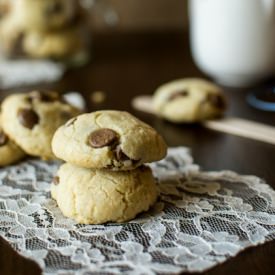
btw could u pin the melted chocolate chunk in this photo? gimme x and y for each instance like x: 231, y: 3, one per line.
x: 102, y: 137
x: 122, y: 157
x: 3, y: 138
x: 216, y: 101
x: 178, y: 94
x: 56, y: 180
x: 28, y: 118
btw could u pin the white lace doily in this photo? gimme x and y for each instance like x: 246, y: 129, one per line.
x: 14, y: 73
x: 200, y: 220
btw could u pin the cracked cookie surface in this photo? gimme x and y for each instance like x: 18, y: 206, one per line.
x: 93, y: 196
x: 31, y: 119
x: 9, y: 150
x: 189, y: 100
x: 108, y: 139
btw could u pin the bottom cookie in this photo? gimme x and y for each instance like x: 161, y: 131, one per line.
x: 99, y: 196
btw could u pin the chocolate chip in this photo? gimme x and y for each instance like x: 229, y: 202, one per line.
x: 56, y: 180
x: 43, y: 96
x: 3, y: 138
x: 102, y: 137
x: 216, y: 100
x: 54, y: 8
x: 28, y: 118
x: 122, y: 157
x: 178, y: 94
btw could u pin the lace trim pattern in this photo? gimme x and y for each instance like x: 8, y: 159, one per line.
x: 201, y: 219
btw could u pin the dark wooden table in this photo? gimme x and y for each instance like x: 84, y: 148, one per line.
x: 125, y: 65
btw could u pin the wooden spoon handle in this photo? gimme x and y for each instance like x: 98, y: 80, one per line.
x: 231, y: 125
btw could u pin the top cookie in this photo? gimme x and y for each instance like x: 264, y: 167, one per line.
x: 108, y: 139
x: 189, y: 100
x: 31, y: 120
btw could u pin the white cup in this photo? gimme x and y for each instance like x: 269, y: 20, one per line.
x: 233, y: 41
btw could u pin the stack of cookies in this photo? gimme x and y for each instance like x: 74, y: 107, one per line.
x: 28, y: 123
x: 43, y: 29
x: 105, y: 178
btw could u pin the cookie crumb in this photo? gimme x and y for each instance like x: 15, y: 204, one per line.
x: 98, y: 97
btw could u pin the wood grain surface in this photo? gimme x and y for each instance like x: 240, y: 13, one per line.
x: 126, y: 65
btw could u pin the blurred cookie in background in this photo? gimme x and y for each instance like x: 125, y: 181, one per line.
x: 10, y: 152
x: 42, y: 15
x: 67, y: 44
x: 189, y: 100
x: 38, y: 29
x: 31, y: 120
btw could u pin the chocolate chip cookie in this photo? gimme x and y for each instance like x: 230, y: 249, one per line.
x: 189, y: 100
x: 98, y: 196
x: 42, y: 15
x: 43, y: 29
x: 60, y: 44
x: 108, y: 139
x: 67, y: 43
x: 9, y: 151
x: 31, y: 120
